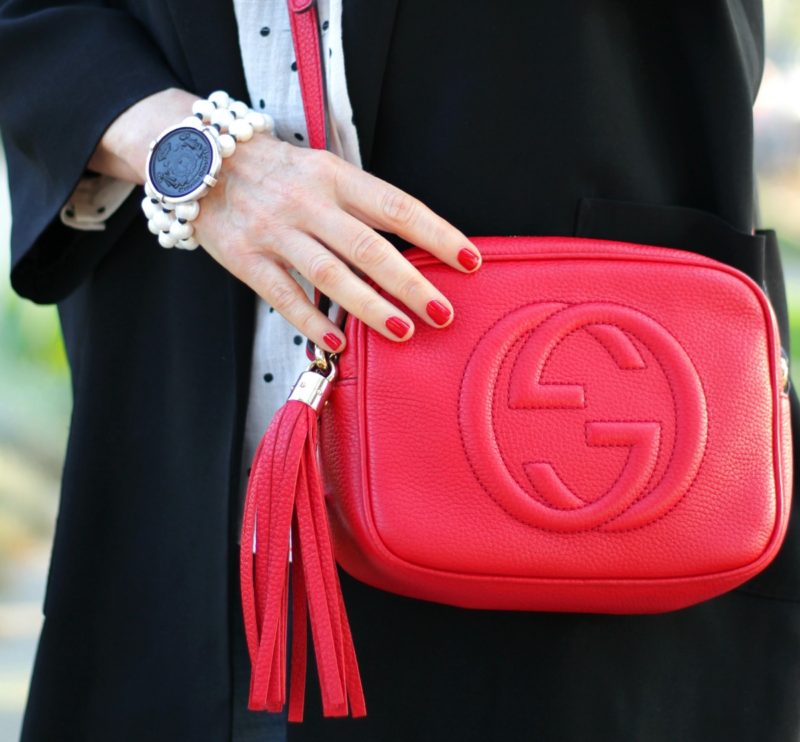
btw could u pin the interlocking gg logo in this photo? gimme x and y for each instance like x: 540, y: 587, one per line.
x: 557, y: 397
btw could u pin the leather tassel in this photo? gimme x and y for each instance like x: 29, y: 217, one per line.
x: 284, y: 495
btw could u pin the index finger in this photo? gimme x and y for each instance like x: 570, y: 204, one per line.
x: 384, y: 206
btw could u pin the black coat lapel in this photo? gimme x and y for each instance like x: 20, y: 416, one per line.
x: 366, y: 34
x: 210, y: 41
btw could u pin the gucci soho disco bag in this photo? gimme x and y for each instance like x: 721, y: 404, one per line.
x: 604, y: 428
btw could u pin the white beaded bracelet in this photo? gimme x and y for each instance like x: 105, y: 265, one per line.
x: 185, y: 159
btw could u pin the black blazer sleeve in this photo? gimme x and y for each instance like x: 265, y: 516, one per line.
x: 69, y: 71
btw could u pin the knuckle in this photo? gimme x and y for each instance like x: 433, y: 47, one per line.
x: 439, y: 234
x: 281, y: 297
x: 323, y: 270
x: 398, y: 206
x: 325, y: 161
x: 319, y: 167
x: 278, y: 240
x: 368, y: 248
x: 367, y: 307
x: 305, y: 323
x: 344, y: 174
x: 410, y: 288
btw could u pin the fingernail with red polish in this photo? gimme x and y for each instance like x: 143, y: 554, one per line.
x: 437, y: 311
x: 468, y: 259
x: 398, y: 326
x: 332, y: 340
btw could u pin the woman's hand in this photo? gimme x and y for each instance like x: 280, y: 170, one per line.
x: 277, y: 207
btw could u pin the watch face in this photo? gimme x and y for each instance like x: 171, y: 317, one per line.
x: 180, y: 161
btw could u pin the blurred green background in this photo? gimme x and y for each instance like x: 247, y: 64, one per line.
x: 34, y: 382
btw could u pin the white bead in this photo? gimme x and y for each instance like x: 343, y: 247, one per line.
x: 165, y: 239
x: 192, y: 121
x: 256, y: 120
x: 269, y: 123
x: 239, y: 109
x: 222, y: 117
x: 181, y: 231
x: 148, y: 207
x: 241, y: 130
x: 205, y: 108
x: 227, y: 145
x: 162, y: 221
x: 188, y: 210
x: 220, y: 98
x: 152, y: 226
x: 189, y: 244
x: 148, y: 189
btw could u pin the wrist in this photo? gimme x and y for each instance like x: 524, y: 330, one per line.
x: 184, y: 160
x: 122, y: 150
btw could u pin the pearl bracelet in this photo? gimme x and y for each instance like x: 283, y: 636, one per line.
x: 185, y: 159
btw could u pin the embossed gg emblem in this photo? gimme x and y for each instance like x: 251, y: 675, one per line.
x: 655, y: 474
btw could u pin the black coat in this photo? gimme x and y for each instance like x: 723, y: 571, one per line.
x: 605, y: 118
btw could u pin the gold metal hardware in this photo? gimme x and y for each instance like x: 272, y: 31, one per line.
x: 784, y: 371
x: 314, y: 385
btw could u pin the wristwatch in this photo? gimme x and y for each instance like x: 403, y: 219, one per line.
x: 184, y: 161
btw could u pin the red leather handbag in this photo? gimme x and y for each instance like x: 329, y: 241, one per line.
x: 604, y: 428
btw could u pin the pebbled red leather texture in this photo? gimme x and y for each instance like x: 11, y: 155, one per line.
x: 305, y: 36
x: 602, y: 428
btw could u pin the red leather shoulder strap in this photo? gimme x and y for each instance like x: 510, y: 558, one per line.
x: 305, y: 34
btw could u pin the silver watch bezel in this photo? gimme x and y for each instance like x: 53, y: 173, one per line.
x: 209, y: 179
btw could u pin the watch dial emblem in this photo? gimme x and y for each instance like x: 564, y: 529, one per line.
x: 180, y: 161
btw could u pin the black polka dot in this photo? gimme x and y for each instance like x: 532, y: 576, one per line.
x: 330, y: 52
x: 262, y: 104
x: 298, y: 339
x: 265, y: 31
x: 70, y: 213
x: 325, y: 25
x: 271, y: 310
x: 268, y: 377
x: 294, y: 66
x: 101, y: 210
x: 298, y: 136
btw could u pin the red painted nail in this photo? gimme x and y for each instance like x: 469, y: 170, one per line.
x: 332, y: 340
x: 468, y: 259
x: 437, y: 311
x: 398, y: 326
